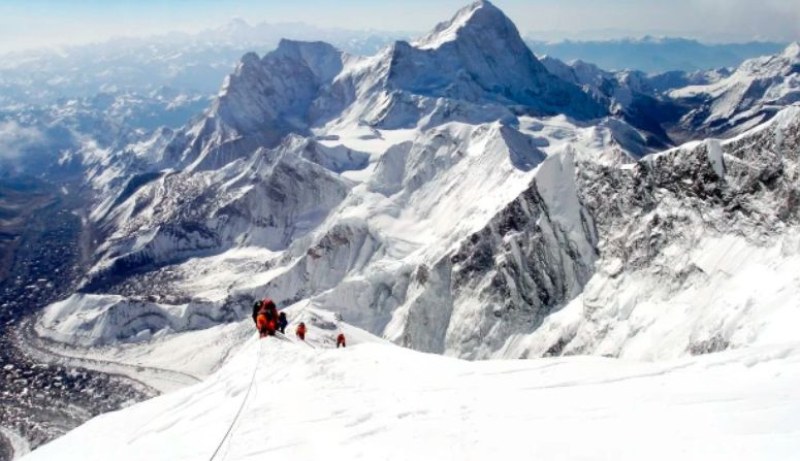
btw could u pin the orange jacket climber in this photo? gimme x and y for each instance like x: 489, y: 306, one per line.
x: 262, y: 324
x: 340, y: 341
x: 301, y: 331
x: 265, y: 315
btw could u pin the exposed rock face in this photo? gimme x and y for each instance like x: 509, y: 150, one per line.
x: 684, y: 236
x: 533, y: 256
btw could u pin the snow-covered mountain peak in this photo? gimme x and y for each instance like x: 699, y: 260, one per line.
x: 477, y: 17
x: 749, y: 96
x: 474, y: 68
x: 322, y: 58
x: 792, y: 51
x: 234, y: 28
x: 479, y: 57
x: 249, y: 59
x: 776, y: 66
x: 261, y: 102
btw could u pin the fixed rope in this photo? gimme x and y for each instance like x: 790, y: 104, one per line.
x: 244, y: 401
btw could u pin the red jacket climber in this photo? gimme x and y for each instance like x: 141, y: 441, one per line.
x: 340, y: 341
x: 301, y: 331
x: 265, y: 315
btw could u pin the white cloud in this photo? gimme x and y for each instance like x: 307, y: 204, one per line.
x: 15, y: 138
x: 710, y: 20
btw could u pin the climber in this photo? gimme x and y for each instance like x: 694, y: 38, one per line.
x: 260, y: 318
x: 256, y: 307
x: 301, y: 331
x: 272, y: 318
x: 282, y: 322
x: 265, y: 317
x: 340, y: 341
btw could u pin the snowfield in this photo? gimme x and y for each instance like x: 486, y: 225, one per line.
x: 377, y: 401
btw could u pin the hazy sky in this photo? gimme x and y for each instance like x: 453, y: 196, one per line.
x: 28, y: 23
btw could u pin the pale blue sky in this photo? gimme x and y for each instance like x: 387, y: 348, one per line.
x: 27, y: 23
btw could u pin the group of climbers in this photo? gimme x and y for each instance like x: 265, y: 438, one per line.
x: 266, y: 317
x: 268, y: 320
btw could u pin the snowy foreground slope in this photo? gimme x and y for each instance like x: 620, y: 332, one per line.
x: 377, y: 401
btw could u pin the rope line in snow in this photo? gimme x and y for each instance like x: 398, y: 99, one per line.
x: 244, y: 400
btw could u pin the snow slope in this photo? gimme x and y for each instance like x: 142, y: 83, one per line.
x: 282, y: 399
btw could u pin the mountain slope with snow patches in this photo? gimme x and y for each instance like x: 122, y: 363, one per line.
x: 755, y: 92
x: 630, y: 95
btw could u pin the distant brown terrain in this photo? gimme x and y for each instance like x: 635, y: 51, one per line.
x: 20, y: 199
